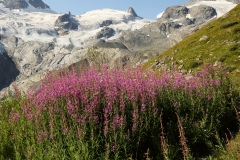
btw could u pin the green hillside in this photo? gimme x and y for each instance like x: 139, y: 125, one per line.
x: 218, y: 43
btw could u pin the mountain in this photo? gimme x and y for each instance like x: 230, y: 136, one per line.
x: 37, y: 40
x: 216, y: 43
x: 24, y: 4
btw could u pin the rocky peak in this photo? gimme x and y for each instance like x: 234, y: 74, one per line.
x: 66, y: 22
x: 15, y: 4
x: 132, y: 12
x: 22, y: 4
x: 38, y: 4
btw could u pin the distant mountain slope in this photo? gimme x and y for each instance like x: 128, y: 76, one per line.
x: 24, y: 4
x: 217, y: 42
x: 174, y: 24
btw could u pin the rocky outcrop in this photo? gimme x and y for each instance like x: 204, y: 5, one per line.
x: 175, y: 12
x: 234, y: 1
x: 8, y: 69
x: 22, y: 4
x: 66, y: 22
x: 202, y: 13
x: 106, y: 23
x: 176, y: 23
x: 38, y: 4
x: 191, y: 2
x: 105, y: 32
x: 15, y: 4
x: 111, y: 45
x: 132, y: 12
x: 168, y: 27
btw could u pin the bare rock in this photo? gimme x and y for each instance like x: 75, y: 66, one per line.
x: 66, y: 22
x: 105, y: 32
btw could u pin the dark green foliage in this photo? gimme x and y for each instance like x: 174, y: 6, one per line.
x: 223, y: 57
x: 195, y: 64
x: 230, y: 24
x: 236, y: 30
x: 234, y: 47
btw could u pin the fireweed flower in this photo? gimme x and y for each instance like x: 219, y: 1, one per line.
x: 208, y: 97
x: 16, y: 116
x: 143, y: 108
x: 134, y: 127
x: 114, y: 147
x: 175, y: 105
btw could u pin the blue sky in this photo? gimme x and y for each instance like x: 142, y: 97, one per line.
x: 144, y: 8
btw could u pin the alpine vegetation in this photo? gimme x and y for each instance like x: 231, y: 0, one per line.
x: 104, y: 113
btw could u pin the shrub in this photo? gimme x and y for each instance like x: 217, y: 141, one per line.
x: 195, y: 64
x: 234, y: 47
x: 223, y: 58
x: 119, y: 114
x: 228, y: 24
x: 236, y: 30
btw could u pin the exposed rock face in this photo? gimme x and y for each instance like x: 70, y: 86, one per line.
x: 188, y: 21
x: 202, y: 13
x: 234, y: 1
x: 22, y: 4
x: 175, y: 24
x: 195, y: 1
x: 175, y: 12
x: 111, y: 45
x: 168, y: 27
x: 8, y: 69
x: 106, y: 23
x: 105, y: 32
x: 66, y: 22
x: 38, y: 4
x: 15, y: 4
x: 132, y: 12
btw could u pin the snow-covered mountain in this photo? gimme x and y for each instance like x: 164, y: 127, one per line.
x: 24, y: 4
x: 221, y: 6
x: 36, y: 24
x: 35, y: 39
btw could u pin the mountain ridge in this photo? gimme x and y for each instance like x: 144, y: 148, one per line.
x: 23, y: 4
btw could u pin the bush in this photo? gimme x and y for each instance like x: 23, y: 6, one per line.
x: 119, y: 114
x: 195, y: 64
x: 234, y: 47
x: 236, y: 30
x: 228, y: 24
x: 223, y: 58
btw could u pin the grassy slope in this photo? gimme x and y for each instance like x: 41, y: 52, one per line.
x: 221, y: 45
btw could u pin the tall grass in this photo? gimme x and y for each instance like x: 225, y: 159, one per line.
x: 119, y: 114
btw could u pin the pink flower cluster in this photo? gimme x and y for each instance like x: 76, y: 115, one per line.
x: 102, y: 96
